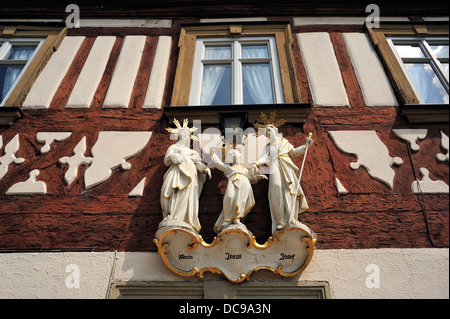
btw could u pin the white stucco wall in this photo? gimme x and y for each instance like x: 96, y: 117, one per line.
x: 403, y: 273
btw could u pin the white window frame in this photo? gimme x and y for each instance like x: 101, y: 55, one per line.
x: 430, y: 58
x: 236, y: 67
x: 5, y: 46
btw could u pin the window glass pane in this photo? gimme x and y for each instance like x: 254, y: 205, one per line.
x: 409, y: 51
x: 445, y: 66
x: 255, y: 51
x: 8, y: 75
x: 427, y: 83
x: 21, y: 52
x: 440, y: 51
x: 216, y: 85
x: 217, y: 52
x: 257, y: 83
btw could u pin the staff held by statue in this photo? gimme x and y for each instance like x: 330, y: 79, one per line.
x: 308, y: 143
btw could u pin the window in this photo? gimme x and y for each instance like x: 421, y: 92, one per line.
x: 15, y: 57
x: 415, y: 55
x: 24, y: 51
x: 425, y: 62
x: 243, y: 67
x: 243, y: 71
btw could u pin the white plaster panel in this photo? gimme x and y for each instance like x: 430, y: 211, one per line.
x: 444, y: 144
x: 340, y: 188
x: 411, y: 136
x: 371, y: 153
x: 138, y: 190
x: 75, y: 161
x: 47, y: 138
x: 427, y: 185
x: 301, y: 21
x: 125, y: 23
x: 228, y: 20
x: 43, y: 90
x: 157, y: 80
x: 30, y: 187
x: 91, y: 74
x: 440, y: 19
x: 110, y: 151
x: 369, y: 71
x: 10, y: 155
x: 419, y: 273
x: 125, y: 72
x: 322, y: 69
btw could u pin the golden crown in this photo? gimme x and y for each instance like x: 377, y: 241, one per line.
x: 269, y: 121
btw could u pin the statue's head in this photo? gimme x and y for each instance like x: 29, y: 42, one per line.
x: 183, y: 133
x: 233, y: 156
x: 271, y: 131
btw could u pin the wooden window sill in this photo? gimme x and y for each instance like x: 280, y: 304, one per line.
x: 294, y: 113
x: 425, y: 113
x: 9, y: 115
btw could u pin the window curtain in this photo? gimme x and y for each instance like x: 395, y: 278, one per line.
x: 257, y: 75
x: 13, y: 71
x: 213, y: 74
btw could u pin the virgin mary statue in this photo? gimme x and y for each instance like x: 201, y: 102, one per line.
x: 183, y: 181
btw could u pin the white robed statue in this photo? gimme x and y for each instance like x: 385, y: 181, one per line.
x: 183, y: 181
x: 238, y: 199
x: 286, y: 197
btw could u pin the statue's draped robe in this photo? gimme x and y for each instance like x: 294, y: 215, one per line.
x: 283, y: 183
x: 238, y: 199
x: 182, y: 186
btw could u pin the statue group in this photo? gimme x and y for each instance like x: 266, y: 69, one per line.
x: 186, y: 174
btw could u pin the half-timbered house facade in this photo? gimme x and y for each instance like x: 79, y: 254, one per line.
x: 87, y: 92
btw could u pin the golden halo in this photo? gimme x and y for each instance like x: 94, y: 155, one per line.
x: 184, y: 127
x: 269, y: 121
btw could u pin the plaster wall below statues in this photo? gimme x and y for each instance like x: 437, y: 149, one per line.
x: 53, y: 275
